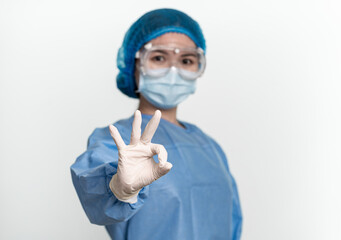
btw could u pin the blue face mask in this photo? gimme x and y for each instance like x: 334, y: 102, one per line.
x: 167, y: 91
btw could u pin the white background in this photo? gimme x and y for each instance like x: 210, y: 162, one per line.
x: 270, y: 97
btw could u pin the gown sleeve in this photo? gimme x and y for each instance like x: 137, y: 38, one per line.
x: 91, y: 174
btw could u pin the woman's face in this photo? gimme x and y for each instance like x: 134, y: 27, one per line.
x: 171, y: 39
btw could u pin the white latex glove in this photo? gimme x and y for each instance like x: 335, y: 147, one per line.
x: 136, y: 166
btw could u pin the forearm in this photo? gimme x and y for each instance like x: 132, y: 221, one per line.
x: 99, y: 203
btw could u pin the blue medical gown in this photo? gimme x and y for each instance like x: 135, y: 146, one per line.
x: 197, y: 199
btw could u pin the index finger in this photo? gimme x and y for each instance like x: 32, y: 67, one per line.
x: 117, y: 137
x: 136, y: 128
x: 151, y: 127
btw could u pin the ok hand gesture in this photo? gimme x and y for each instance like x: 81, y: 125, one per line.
x: 136, y: 166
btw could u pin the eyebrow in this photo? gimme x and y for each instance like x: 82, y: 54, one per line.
x: 167, y: 53
x: 188, y: 54
x: 160, y: 51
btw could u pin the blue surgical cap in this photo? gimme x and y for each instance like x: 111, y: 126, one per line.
x: 150, y: 26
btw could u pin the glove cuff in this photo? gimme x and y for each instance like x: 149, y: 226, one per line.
x: 119, y: 194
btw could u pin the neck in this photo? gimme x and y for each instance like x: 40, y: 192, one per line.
x: 168, y: 114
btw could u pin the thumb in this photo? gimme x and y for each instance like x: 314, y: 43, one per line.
x: 163, y: 168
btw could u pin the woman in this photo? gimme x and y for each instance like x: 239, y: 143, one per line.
x: 188, y: 191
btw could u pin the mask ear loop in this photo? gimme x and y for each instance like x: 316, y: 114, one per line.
x: 137, y: 56
x: 140, y: 81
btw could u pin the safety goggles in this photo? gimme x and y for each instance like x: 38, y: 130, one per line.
x: 156, y: 61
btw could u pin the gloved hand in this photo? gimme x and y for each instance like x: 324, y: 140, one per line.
x: 136, y: 166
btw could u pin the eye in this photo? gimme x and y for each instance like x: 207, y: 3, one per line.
x: 187, y: 61
x: 158, y: 58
